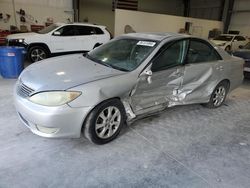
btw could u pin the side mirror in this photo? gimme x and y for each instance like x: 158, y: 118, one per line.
x: 57, y: 33
x: 148, y: 75
x: 240, y: 46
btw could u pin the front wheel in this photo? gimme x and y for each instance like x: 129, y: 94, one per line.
x: 105, y: 122
x: 218, y: 96
x: 37, y: 53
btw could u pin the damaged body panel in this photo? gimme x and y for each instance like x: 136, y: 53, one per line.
x: 145, y: 72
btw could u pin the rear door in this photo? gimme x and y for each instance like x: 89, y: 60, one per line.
x: 203, y: 68
x: 156, y: 91
x: 86, y: 36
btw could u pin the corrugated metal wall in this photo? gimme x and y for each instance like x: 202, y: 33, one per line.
x: 240, y: 19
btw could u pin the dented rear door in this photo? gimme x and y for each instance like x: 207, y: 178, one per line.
x: 203, y: 69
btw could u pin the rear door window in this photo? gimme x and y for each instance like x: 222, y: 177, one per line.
x: 200, y: 51
x: 84, y: 30
x: 239, y: 38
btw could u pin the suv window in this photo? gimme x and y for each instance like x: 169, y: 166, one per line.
x: 84, y: 30
x: 67, y: 30
x: 98, y: 31
x: 170, y: 56
x: 239, y: 38
x: 200, y: 51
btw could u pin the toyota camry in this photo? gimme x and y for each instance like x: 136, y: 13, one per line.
x: 130, y: 77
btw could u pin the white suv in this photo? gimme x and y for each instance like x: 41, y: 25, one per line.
x: 59, y: 39
x: 230, y: 42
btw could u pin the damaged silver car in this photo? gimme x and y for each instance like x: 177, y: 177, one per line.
x: 131, y: 76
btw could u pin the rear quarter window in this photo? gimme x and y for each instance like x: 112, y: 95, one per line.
x: 98, y: 31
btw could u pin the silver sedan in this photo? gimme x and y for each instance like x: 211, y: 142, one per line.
x: 130, y: 77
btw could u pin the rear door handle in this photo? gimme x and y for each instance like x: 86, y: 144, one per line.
x: 220, y: 68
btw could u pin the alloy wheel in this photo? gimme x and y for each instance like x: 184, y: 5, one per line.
x: 219, y: 96
x: 108, y: 122
x: 37, y: 55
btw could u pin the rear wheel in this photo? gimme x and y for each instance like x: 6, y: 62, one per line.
x: 218, y: 96
x: 37, y: 53
x: 105, y: 122
x: 228, y: 49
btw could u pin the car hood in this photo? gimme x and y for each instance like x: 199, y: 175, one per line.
x: 219, y: 42
x: 64, y: 72
x: 243, y: 53
x: 22, y: 35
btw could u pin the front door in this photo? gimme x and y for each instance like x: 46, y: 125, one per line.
x: 66, y: 41
x: 156, y: 91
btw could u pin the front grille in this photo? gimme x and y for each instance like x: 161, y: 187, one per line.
x: 23, y: 90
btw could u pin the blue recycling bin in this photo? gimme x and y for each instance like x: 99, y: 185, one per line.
x: 11, y: 61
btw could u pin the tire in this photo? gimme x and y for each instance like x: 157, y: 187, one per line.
x: 218, y: 96
x: 37, y: 53
x: 228, y: 48
x: 110, y: 116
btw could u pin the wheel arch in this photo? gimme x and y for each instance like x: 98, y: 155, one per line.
x: 99, y: 103
x: 39, y: 44
x: 227, y: 81
x: 97, y: 45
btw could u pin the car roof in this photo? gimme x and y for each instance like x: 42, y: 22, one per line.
x: 155, y: 36
x: 229, y: 35
x: 79, y: 23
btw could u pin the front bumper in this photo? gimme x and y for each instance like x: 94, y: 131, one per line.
x: 62, y: 121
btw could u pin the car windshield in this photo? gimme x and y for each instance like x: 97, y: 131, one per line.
x: 224, y: 38
x: 48, y: 29
x: 123, y: 54
x: 247, y: 46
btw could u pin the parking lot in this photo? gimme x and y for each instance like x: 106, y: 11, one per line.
x: 184, y: 145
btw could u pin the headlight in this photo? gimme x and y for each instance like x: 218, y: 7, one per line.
x: 17, y: 40
x: 54, y: 98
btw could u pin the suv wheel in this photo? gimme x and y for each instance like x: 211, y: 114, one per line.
x: 37, y: 53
